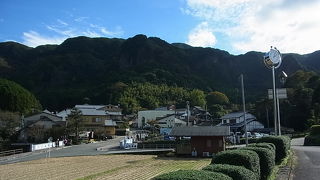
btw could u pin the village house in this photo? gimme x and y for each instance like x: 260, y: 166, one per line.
x: 35, y: 127
x: 236, y: 122
x: 151, y: 115
x: 204, y: 140
x: 101, y: 119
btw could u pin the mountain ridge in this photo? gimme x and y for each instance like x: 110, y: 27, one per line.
x: 87, y: 67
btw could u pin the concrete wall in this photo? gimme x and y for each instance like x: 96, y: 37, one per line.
x: 35, y: 147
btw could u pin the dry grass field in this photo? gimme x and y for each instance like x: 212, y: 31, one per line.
x: 99, y: 167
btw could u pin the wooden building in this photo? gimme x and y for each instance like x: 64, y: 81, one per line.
x: 205, y: 140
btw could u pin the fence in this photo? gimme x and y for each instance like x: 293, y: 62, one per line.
x: 11, y: 152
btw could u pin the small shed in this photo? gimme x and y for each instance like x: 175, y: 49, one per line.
x: 205, y: 140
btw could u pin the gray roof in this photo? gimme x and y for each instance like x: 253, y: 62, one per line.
x: 235, y: 115
x: 200, y: 131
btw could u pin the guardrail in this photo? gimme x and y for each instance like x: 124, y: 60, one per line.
x: 157, y: 146
x: 11, y: 152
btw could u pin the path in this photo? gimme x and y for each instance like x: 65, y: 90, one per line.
x: 76, y: 150
x: 308, y: 165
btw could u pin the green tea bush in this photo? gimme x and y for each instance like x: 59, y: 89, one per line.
x: 236, y: 172
x: 192, y: 175
x: 315, y: 130
x: 282, y: 144
x: 267, y: 160
x: 246, y: 158
x: 312, y: 140
x: 269, y: 146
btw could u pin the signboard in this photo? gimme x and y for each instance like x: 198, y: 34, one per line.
x: 282, y: 93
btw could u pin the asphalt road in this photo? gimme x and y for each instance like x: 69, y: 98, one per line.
x: 308, y: 165
x: 76, y: 150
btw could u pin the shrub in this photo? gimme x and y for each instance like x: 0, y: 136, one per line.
x: 282, y: 144
x: 315, y: 130
x: 312, y: 140
x: 267, y: 160
x: 269, y: 146
x: 236, y: 172
x: 250, y: 140
x: 192, y: 175
x: 246, y: 158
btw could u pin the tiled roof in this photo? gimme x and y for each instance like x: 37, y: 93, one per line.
x: 200, y: 131
x: 234, y: 115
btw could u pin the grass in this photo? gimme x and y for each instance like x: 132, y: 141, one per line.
x: 285, y: 162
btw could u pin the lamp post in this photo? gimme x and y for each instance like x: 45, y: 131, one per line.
x: 283, y: 77
x: 272, y: 60
x: 244, y: 109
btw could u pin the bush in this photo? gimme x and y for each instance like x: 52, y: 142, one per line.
x: 315, y: 130
x: 250, y: 140
x: 246, y: 158
x: 236, y: 172
x: 192, y: 175
x: 282, y: 144
x: 267, y: 160
x: 269, y: 146
x: 312, y: 140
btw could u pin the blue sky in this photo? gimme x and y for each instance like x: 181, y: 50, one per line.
x: 237, y: 26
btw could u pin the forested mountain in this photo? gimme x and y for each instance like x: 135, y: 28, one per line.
x: 86, y: 69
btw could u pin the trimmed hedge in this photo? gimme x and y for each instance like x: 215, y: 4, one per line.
x: 282, y: 144
x: 236, y: 172
x: 269, y: 146
x: 192, y: 175
x: 248, y: 159
x: 267, y: 160
x: 315, y: 130
x: 312, y: 140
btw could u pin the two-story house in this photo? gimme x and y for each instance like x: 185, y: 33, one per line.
x: 236, y: 121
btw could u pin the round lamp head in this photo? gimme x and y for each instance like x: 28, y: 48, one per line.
x: 272, y: 58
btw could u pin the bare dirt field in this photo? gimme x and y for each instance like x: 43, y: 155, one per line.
x: 99, y: 167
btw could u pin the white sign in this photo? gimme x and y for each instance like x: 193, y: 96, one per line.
x: 282, y: 93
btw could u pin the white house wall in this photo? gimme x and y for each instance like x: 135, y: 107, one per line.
x: 151, y: 115
x: 254, y: 125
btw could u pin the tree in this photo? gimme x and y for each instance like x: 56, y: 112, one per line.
x: 197, y: 98
x: 216, y: 97
x: 75, y: 123
x: 15, y: 98
x: 9, y: 123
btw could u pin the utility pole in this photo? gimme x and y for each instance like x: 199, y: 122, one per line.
x: 188, y: 114
x: 244, y: 109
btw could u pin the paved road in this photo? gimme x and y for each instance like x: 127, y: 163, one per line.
x: 308, y: 166
x: 76, y: 150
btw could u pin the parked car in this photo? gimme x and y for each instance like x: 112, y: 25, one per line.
x: 257, y: 135
x: 248, y: 133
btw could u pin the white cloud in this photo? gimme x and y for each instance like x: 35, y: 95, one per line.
x: 34, y: 39
x: 292, y: 26
x: 64, y: 30
x: 201, y: 36
x: 62, y: 22
x: 81, y: 19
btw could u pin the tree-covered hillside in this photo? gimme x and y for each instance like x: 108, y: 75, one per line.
x: 86, y: 69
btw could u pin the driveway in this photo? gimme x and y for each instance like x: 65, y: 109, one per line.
x: 308, y: 165
x: 76, y: 150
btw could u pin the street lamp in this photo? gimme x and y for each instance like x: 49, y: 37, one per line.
x: 272, y: 60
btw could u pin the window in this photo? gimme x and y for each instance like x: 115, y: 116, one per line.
x: 224, y: 121
x: 233, y: 121
x: 96, y: 119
